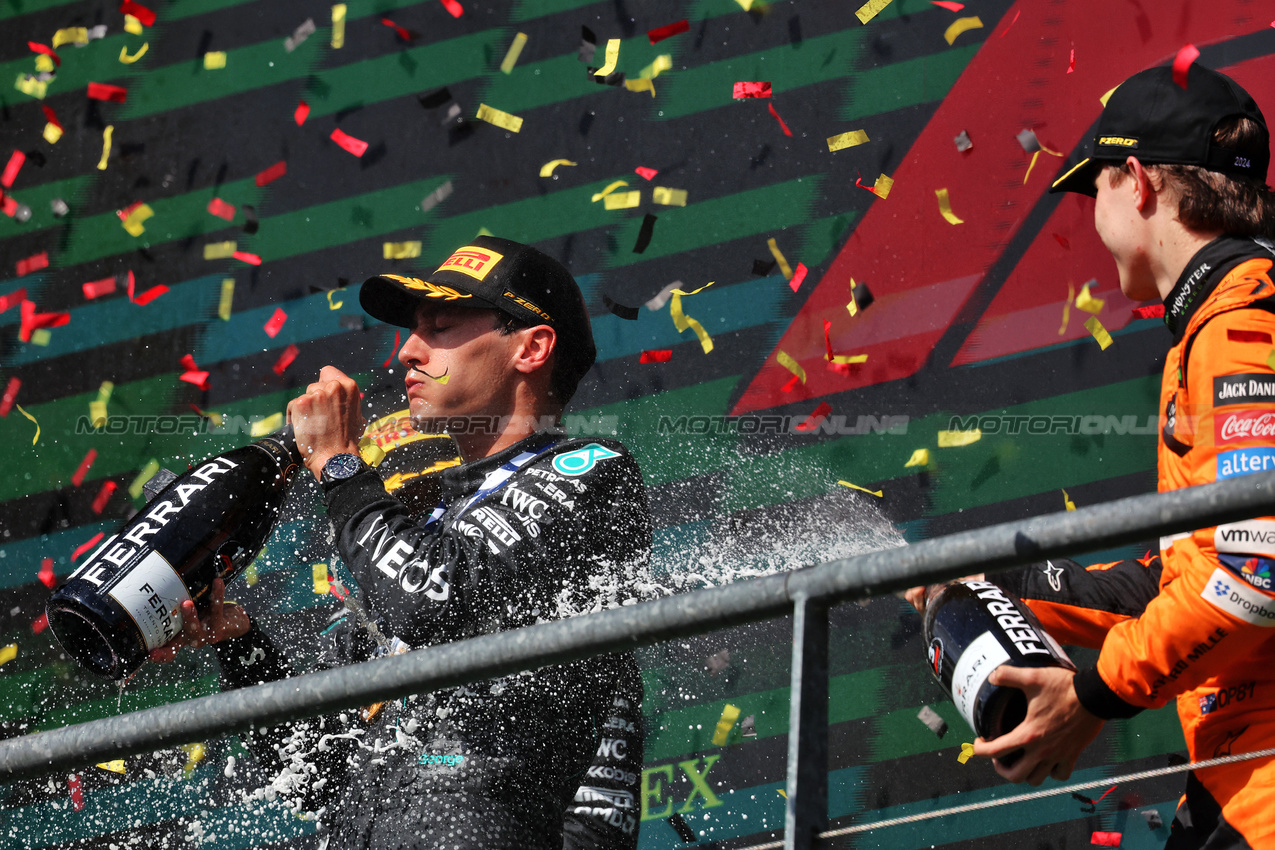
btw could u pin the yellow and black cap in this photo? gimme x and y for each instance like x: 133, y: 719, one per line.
x: 494, y: 274
x: 1151, y: 117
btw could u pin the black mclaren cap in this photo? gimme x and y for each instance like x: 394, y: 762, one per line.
x: 497, y: 274
x: 1160, y: 122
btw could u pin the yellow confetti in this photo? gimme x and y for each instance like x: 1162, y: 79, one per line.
x: 401, y: 250
x: 8, y: 653
x: 725, y: 723
x: 883, y: 186
x: 847, y: 140
x: 442, y: 379
x: 227, y: 298
x: 214, y: 60
x: 779, y: 258
x: 44, y: 64
x: 945, y: 207
x: 967, y: 752
x: 920, y: 457
x: 853, y: 306
x: 331, y: 292
x: 1106, y: 97
x: 36, y: 438
x: 953, y: 439
x: 133, y: 25
x: 135, y: 223
x: 1071, y: 291
x: 681, y: 321
x: 849, y: 358
x: 129, y: 60
x: 662, y: 63
x: 1270, y: 359
x: 870, y: 10
x: 1067, y: 502
x: 1086, y: 302
x: 106, y: 146
x: 1099, y: 332
x: 116, y: 766
x: 28, y: 84
x: 961, y: 25
x: 693, y: 291
x: 546, y: 170
x: 504, y: 120
x: 319, y: 574
x: 338, y: 26
x: 612, y: 58
x: 746, y: 5
x: 515, y: 50
x: 146, y: 474
x: 250, y: 575
x: 220, y: 250
x: 640, y: 85
x: 597, y: 196
x: 41, y: 336
x: 668, y: 197
x: 71, y: 35
x: 52, y: 132
x: 786, y: 360
x: 622, y: 200
x: 782, y: 793
x: 97, y: 409
x: 371, y: 453
x: 1030, y: 166
x: 269, y: 425
x: 878, y: 493
x: 195, y: 753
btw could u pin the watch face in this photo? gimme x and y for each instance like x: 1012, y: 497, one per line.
x: 342, y: 466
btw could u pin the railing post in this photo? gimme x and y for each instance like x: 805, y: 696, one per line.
x: 807, y: 810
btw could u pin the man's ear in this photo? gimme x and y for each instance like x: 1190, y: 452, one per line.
x: 537, y: 346
x: 1143, y: 189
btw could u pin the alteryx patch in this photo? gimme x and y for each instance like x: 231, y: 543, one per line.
x: 582, y: 460
x: 1244, y: 462
x: 473, y: 261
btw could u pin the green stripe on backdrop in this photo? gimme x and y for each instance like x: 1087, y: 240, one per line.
x: 926, y: 79
x: 73, y: 190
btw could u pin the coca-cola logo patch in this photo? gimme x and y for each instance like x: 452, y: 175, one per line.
x: 1237, y: 426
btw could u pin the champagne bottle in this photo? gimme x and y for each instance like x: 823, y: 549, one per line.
x: 973, y: 627
x: 125, y: 599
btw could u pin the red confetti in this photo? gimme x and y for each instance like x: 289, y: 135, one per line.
x: 41, y: 623
x: 659, y: 355
x: 285, y: 359
x: 827, y: 340
x: 668, y: 31
x: 103, y: 496
x: 1234, y: 335
x: 51, y: 116
x: 1011, y: 23
x: 245, y: 257
x: 798, y: 275
x: 453, y: 7
x: 782, y: 125
x: 33, y: 263
x: 791, y: 385
x: 1071, y: 66
x: 749, y: 90
x: 221, y: 209
x: 390, y: 359
x: 1151, y: 311
x: 98, y: 288
x: 11, y: 170
x: 812, y: 421
x: 193, y: 374
x: 1181, y: 64
x: 46, y: 575
x: 17, y: 296
x: 10, y: 393
x: 949, y: 5
x: 77, y: 791
x: 646, y: 173
x: 1106, y: 839
x: 302, y: 111
x: 128, y: 210
x: 150, y: 295
x: 403, y: 32
x: 10, y: 206
x: 46, y: 50
x: 102, y: 91
x: 87, y: 545
x: 83, y: 469
x: 137, y: 10
x: 1105, y: 793
x: 276, y: 322
x: 272, y: 173
x: 348, y: 142
x: 31, y: 320
x: 1062, y: 240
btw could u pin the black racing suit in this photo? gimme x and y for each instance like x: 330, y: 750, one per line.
x: 497, y: 763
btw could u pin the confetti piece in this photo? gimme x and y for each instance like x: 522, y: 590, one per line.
x: 195, y: 753
x: 46, y: 575
x: 961, y: 25
x: 1030, y: 166
x: 33, y: 263
x: 1071, y: 291
x: 45, y: 50
x: 227, y: 298
x: 214, y: 60
x: 52, y: 132
x: 348, y: 143
x: 645, y: 233
x: 116, y: 766
x: 453, y: 8
x: 920, y: 457
x: 668, y: 31
x: 76, y: 788
x: 963, y: 142
x: 668, y: 197
x: 967, y: 752
x: 104, y: 495
x: 319, y: 575
x: 546, y: 170
x: 402, y: 32
x: 134, y: 223
x: 394, y: 351
x: 80, y: 471
x: 336, y: 305
x: 725, y: 723
x: 106, y: 146
x: 13, y: 298
x: 285, y: 359
x: 1152, y: 816
x: 272, y: 173
x: 221, y: 209
x: 9, y: 652
x: 137, y: 10
x: 949, y: 5
x: 784, y: 268
x: 783, y: 126
x: 338, y: 26
x: 33, y: 321
x: 678, y: 291
x: 515, y: 50
x: 12, y: 168
x: 146, y: 473
x: 646, y: 173
x: 1086, y: 302
x: 662, y: 63
x: 1067, y: 502
x: 658, y: 355
x: 87, y: 545
x: 300, y: 113
x: 933, y: 720
x: 1181, y: 64
x: 40, y: 624
x: 193, y: 374
x: 1099, y: 332
x: 133, y: 25
x: 245, y: 257
x: 1071, y: 65
x: 78, y: 36
x: 789, y: 362
x: 621, y: 310
x: 102, y: 91
x: 269, y: 425
x: 817, y: 416
x: 504, y: 120
x: 10, y: 393
x: 955, y: 439
x: 129, y: 60
x: 622, y: 200
x: 851, y: 139
x: 681, y: 321
x: 436, y: 197
x: 640, y: 85
x: 878, y: 493
x: 608, y: 190
x: 400, y: 250
x: 1105, y: 839
x: 945, y: 207
x: 97, y: 408
x: 275, y: 324
x: 798, y: 275
x: 743, y: 91
x: 299, y: 35
x: 781, y: 792
x: 612, y: 58
x: 220, y: 250
x: 870, y: 10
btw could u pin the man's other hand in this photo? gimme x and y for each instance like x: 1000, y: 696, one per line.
x: 326, y: 419
x: 222, y: 621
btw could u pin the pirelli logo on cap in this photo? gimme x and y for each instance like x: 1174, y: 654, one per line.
x: 518, y: 299
x: 473, y: 261
x: 1118, y: 141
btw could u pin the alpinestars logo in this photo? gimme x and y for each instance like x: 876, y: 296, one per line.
x: 1054, y: 574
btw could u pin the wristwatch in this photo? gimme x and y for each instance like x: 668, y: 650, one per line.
x: 339, y: 468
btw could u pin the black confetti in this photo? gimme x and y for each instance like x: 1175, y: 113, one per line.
x: 684, y: 830
x: 251, y: 223
x: 630, y: 313
x: 644, y: 235
x: 761, y: 268
x: 862, y: 296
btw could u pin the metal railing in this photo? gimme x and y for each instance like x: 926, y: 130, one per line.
x: 807, y: 594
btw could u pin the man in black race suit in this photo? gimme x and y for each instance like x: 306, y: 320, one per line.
x: 533, y: 526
